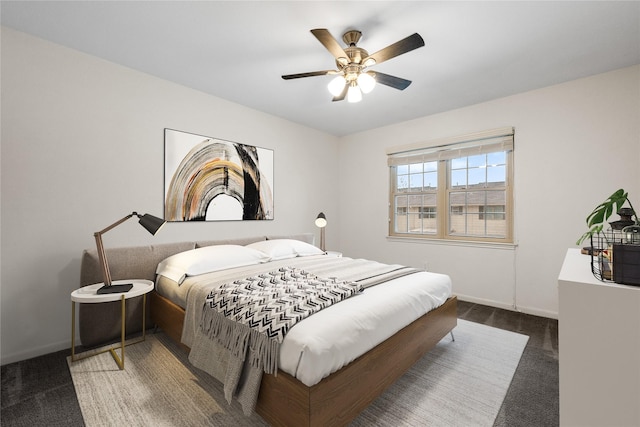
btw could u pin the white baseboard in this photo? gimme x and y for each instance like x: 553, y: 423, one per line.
x: 512, y: 307
x: 35, y: 352
x: 538, y: 312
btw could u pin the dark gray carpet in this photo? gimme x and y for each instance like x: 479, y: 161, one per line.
x: 533, y: 397
x: 39, y: 392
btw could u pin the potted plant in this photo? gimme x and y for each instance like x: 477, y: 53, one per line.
x: 597, y: 219
x: 617, y: 260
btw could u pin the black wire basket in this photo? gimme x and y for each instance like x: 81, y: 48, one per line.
x: 602, y: 254
x: 615, y: 257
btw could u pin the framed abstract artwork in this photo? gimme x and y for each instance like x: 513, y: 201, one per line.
x: 210, y: 179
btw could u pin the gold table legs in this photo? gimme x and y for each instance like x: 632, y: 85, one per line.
x: 118, y: 359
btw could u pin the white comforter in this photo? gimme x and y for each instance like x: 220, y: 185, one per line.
x: 330, y: 339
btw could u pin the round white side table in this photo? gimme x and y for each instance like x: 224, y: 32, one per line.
x: 88, y: 295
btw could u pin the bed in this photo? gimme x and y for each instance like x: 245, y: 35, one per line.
x: 283, y: 398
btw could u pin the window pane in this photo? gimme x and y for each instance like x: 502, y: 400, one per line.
x: 483, y: 215
x: 496, y: 229
x: 496, y: 212
x: 400, y: 210
x: 495, y: 216
x: 496, y: 198
x: 477, y: 176
x: 457, y: 213
x: 476, y: 201
x: 458, y: 199
x: 478, y: 161
x: 400, y: 203
x: 402, y: 182
x: 415, y: 214
x: 498, y: 158
x: 430, y: 180
x: 497, y: 174
x: 431, y: 166
x: 429, y: 217
x: 415, y: 168
x: 401, y: 223
x: 414, y: 223
x: 415, y: 182
x: 459, y: 178
x: 459, y: 163
x: 429, y: 199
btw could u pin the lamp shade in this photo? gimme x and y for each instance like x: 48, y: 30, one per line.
x: 336, y: 86
x: 321, y: 220
x: 366, y: 82
x: 354, y: 94
x: 151, y: 223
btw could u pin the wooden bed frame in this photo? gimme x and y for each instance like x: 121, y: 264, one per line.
x: 340, y: 397
x: 283, y: 400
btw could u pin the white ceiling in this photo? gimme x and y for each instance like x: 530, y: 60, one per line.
x: 237, y: 50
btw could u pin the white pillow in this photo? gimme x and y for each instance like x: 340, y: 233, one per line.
x: 208, y: 259
x: 285, y: 248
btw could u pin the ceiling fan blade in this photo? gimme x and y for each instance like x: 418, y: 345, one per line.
x: 310, y: 74
x: 392, y: 81
x: 405, y: 45
x: 328, y: 41
x: 342, y: 95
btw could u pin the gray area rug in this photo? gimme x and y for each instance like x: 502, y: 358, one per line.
x: 461, y: 382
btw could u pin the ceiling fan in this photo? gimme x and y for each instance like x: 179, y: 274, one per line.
x: 352, y: 77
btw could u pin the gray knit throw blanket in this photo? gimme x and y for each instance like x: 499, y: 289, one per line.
x: 258, y: 311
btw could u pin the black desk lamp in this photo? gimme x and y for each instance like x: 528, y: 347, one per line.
x: 150, y: 222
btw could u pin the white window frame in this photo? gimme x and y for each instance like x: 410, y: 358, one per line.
x: 443, y: 151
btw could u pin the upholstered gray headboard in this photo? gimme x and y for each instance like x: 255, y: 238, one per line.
x: 100, y: 323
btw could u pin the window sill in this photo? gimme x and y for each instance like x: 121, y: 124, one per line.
x: 466, y: 243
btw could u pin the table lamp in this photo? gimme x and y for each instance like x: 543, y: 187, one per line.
x: 150, y: 222
x: 321, y: 222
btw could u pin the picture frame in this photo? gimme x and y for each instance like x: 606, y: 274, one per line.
x: 211, y: 179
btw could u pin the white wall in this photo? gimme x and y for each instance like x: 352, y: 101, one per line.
x: 575, y: 144
x: 82, y: 146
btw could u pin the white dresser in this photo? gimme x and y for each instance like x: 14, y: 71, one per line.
x: 599, y: 348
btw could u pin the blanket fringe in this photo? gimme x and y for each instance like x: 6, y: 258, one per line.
x: 231, y: 335
x: 265, y: 352
x: 238, y: 338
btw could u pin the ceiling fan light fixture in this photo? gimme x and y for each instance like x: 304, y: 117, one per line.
x: 354, y: 94
x: 336, y: 85
x: 351, y: 61
x: 369, y: 62
x: 366, y: 82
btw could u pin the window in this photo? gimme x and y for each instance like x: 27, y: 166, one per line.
x: 459, y: 189
x: 492, y: 212
x: 428, y: 212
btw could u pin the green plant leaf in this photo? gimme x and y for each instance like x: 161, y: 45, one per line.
x: 618, y: 194
x: 596, y: 219
x: 582, y: 238
x: 607, y: 212
x: 620, y: 201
